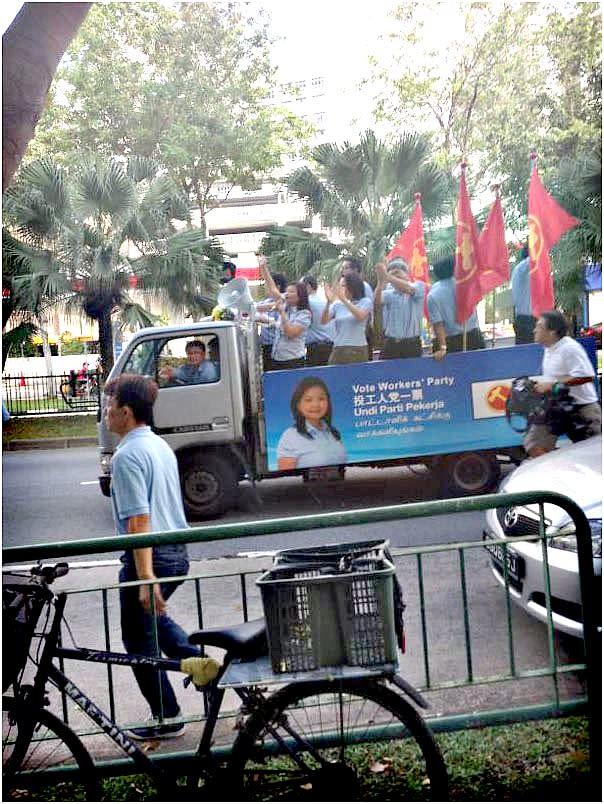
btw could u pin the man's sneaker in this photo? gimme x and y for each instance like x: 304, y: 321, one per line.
x: 158, y: 731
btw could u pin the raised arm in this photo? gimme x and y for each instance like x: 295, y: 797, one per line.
x: 271, y: 285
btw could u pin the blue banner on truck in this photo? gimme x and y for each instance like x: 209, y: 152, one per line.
x: 389, y: 409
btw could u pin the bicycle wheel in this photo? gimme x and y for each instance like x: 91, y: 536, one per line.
x: 66, y: 392
x: 337, y: 741
x: 51, y: 745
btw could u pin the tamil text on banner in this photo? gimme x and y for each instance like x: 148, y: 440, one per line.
x: 389, y: 409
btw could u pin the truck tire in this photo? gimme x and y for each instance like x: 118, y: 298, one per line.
x: 208, y: 485
x: 469, y: 473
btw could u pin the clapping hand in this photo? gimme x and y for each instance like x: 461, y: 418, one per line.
x: 380, y: 271
x: 330, y: 293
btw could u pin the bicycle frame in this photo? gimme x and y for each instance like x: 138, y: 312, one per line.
x: 144, y: 763
x: 47, y: 670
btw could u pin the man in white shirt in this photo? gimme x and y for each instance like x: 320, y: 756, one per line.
x: 565, y: 364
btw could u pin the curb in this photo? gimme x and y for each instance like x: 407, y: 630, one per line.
x: 50, y: 443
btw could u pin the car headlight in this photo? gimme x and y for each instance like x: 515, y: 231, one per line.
x: 565, y: 538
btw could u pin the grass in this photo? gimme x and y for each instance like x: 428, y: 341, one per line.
x: 545, y: 760
x: 70, y: 426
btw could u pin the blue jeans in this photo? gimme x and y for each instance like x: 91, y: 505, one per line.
x: 137, y: 631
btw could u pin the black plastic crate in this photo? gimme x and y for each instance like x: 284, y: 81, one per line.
x: 319, y: 616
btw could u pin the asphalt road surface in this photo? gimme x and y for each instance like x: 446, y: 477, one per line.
x: 53, y: 495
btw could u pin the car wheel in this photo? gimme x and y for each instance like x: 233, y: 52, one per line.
x: 469, y: 473
x: 208, y: 485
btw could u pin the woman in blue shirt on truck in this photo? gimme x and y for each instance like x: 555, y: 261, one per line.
x: 350, y: 308
x: 313, y: 440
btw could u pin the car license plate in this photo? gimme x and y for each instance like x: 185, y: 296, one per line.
x: 515, y: 563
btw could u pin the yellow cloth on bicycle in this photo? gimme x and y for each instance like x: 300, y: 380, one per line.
x: 201, y: 669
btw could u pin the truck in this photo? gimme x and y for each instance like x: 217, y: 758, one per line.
x: 447, y: 415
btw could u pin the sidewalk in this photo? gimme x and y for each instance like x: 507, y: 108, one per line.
x: 49, y: 443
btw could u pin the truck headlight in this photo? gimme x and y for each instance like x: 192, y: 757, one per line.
x: 565, y: 538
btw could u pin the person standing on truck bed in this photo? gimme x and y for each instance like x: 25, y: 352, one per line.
x: 448, y: 333
x: 402, y: 301
x: 565, y: 364
x: 293, y: 321
x: 349, y: 308
x: 353, y: 264
x: 318, y: 340
x: 524, y: 320
x: 196, y: 370
x: 146, y: 497
x: 268, y: 331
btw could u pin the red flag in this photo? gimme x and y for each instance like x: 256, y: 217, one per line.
x: 494, y: 257
x: 467, y: 256
x: 411, y: 246
x: 547, y: 223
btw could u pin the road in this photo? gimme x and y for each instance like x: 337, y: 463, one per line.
x: 53, y: 495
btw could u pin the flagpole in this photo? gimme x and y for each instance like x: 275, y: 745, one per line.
x: 496, y: 188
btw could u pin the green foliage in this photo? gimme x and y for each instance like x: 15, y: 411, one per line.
x: 365, y: 191
x: 498, y: 82
x: 79, y: 236
x: 187, y: 86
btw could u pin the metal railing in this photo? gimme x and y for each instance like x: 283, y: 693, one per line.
x: 467, y: 689
x: 53, y: 393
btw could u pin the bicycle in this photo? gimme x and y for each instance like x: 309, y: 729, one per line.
x: 79, y: 390
x: 309, y: 740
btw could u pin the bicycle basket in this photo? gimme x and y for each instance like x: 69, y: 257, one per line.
x: 22, y: 605
x: 318, y: 615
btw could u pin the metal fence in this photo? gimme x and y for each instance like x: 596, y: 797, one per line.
x: 468, y: 684
x: 54, y: 393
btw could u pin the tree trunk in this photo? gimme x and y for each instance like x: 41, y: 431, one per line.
x: 105, y: 343
x: 32, y: 48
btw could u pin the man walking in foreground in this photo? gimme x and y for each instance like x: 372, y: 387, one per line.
x: 146, y: 497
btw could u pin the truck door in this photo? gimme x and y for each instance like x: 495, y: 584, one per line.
x: 193, y: 406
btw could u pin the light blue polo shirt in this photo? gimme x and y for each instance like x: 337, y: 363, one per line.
x: 317, y: 332
x: 521, y: 287
x: 285, y: 348
x: 323, y: 449
x: 403, y: 312
x: 349, y: 331
x: 144, y: 480
x: 441, y: 308
x: 189, y: 374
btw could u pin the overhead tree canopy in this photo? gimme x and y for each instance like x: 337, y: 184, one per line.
x: 188, y: 86
x: 498, y: 81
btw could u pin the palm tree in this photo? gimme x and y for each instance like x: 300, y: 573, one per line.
x: 82, y: 240
x: 365, y: 193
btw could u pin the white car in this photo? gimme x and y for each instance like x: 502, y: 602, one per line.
x: 574, y: 470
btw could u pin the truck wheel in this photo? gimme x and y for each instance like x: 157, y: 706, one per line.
x: 469, y: 473
x: 208, y: 485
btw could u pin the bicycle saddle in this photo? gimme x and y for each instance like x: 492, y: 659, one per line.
x: 245, y: 641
